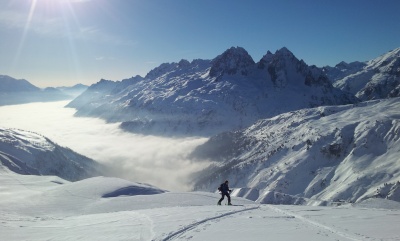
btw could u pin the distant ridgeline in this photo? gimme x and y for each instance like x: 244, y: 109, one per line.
x: 14, y: 91
x: 375, y: 79
x: 205, y: 97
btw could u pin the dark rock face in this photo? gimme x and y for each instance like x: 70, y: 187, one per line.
x: 232, y: 61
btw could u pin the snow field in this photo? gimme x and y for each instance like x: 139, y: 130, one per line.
x: 49, y: 208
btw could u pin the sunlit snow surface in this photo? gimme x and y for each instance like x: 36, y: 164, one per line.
x: 50, y: 208
x: 312, y: 156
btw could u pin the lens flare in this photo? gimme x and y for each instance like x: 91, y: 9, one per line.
x: 23, y: 38
x: 55, y: 18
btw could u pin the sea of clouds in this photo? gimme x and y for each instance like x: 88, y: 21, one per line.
x: 158, y: 161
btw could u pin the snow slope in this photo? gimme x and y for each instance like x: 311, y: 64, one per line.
x: 49, y: 208
x: 29, y: 153
x: 311, y: 156
x: 374, y: 79
x: 205, y: 97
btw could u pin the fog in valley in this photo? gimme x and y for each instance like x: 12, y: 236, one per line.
x: 154, y: 160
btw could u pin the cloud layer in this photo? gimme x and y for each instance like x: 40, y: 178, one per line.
x: 155, y: 160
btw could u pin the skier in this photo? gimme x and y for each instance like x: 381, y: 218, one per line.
x: 224, y: 189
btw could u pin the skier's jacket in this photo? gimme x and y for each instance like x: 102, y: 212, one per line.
x: 224, y: 188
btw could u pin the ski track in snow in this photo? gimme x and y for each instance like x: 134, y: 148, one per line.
x: 196, y: 224
x: 315, y: 224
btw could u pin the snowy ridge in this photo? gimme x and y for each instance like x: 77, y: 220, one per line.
x: 374, y: 79
x: 30, y: 153
x: 206, y: 97
x: 311, y: 156
x: 343, y: 69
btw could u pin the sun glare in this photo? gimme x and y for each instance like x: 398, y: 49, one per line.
x: 54, y: 17
x: 26, y: 28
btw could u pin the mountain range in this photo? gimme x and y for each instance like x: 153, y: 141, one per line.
x: 375, y: 79
x: 205, y: 97
x: 19, y: 91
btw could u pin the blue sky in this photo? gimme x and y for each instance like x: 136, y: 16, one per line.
x: 65, y: 42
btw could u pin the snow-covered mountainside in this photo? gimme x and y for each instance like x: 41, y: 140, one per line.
x: 39, y: 208
x: 14, y: 91
x: 311, y: 156
x: 343, y: 69
x: 375, y: 79
x: 206, y: 97
x: 32, y: 154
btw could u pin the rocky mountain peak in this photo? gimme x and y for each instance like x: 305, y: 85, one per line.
x: 183, y: 63
x: 265, y: 60
x: 342, y: 65
x: 103, y: 84
x: 233, y: 61
x: 284, y: 52
x: 279, y: 59
x: 160, y: 70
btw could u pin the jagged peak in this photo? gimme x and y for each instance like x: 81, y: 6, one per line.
x: 237, y: 50
x: 280, y: 57
x: 137, y: 77
x: 342, y: 64
x: 168, y: 67
x: 267, y: 57
x: 183, y: 63
x: 284, y: 52
x: 102, y: 84
x: 232, y: 52
x: 132, y: 79
x: 160, y: 70
x: 102, y: 81
x: 232, y: 61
